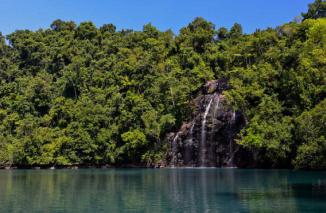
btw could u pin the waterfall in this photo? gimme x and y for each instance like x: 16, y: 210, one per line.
x: 208, y: 139
x: 188, y: 151
x: 217, y: 105
x: 175, y: 150
x: 231, y: 151
x: 191, y: 132
x: 203, y: 149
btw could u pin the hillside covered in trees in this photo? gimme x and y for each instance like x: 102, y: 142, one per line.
x: 78, y: 94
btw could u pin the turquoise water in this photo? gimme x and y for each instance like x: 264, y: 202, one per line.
x: 162, y: 190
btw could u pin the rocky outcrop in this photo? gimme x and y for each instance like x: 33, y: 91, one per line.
x: 208, y: 139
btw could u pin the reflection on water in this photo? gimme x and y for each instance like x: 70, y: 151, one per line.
x: 164, y: 190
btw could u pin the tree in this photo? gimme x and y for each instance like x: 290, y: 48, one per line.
x: 316, y: 10
x: 269, y: 132
x: 86, y: 30
x: 110, y: 28
x: 222, y: 33
x: 85, y: 95
x: 197, y: 35
x: 311, y: 133
x: 236, y: 31
x: 59, y: 25
x: 134, y: 140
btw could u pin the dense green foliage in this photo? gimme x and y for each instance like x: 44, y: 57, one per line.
x: 316, y: 10
x: 86, y: 95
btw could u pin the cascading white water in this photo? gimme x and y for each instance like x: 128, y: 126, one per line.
x: 175, y: 149
x: 191, y: 132
x: 217, y: 105
x: 233, y: 117
x: 203, y: 149
x: 188, y: 146
x: 208, y: 140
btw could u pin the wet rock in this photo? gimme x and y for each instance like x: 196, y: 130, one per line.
x: 208, y: 139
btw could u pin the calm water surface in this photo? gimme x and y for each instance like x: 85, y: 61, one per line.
x: 164, y: 190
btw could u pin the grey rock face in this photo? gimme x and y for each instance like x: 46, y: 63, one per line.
x: 208, y: 140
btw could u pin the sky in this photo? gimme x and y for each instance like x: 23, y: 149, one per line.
x: 163, y: 14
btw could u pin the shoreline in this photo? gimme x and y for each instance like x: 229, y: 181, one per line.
x: 131, y: 166
x: 72, y: 167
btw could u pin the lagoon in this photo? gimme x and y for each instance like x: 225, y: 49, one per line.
x: 162, y: 190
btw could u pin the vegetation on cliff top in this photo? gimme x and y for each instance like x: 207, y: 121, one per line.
x: 86, y: 95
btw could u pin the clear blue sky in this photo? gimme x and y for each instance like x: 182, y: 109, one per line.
x: 133, y: 14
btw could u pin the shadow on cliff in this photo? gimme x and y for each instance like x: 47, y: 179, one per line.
x: 208, y: 140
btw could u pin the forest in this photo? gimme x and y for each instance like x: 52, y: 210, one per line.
x: 77, y: 94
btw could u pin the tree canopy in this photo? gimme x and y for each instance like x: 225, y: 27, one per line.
x: 78, y: 94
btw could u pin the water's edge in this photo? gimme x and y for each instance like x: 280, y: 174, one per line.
x: 134, y: 166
